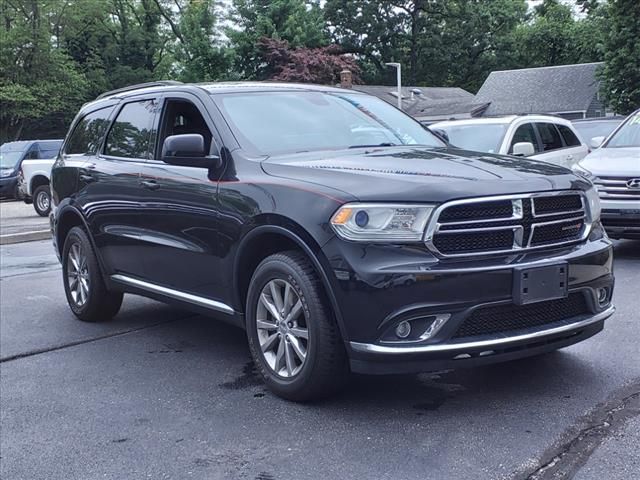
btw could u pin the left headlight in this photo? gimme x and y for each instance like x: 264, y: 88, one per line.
x: 583, y: 172
x: 594, y: 204
x: 373, y: 222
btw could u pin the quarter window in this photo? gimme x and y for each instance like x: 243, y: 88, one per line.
x: 550, y: 137
x: 130, y: 134
x: 570, y: 139
x: 525, y: 133
x: 89, y: 132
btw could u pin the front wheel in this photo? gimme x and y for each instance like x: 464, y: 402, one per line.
x: 86, y: 292
x: 42, y: 200
x: 293, y: 338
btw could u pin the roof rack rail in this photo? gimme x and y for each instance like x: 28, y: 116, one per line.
x: 158, y: 83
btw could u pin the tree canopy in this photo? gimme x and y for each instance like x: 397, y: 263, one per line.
x: 57, y: 54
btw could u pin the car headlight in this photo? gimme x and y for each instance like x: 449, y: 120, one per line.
x: 5, y: 172
x: 594, y: 204
x: 583, y: 172
x: 377, y: 222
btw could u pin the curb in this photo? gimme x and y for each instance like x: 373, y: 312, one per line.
x: 25, y: 237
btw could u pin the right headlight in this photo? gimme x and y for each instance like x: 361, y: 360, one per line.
x: 583, y: 172
x: 594, y: 204
x: 380, y: 222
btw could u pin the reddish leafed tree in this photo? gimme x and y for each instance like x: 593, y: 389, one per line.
x: 306, y: 65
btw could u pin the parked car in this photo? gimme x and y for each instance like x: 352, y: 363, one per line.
x: 336, y: 230
x: 615, y: 169
x: 540, y: 137
x: 12, y: 154
x: 33, y: 178
x: 589, y: 128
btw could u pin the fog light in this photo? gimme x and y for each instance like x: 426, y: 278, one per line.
x: 403, y: 330
x: 603, y: 293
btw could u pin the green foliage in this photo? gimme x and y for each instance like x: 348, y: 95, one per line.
x: 621, y: 74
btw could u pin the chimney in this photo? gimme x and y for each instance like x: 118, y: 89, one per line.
x: 346, y: 79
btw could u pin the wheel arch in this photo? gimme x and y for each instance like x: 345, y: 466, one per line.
x: 267, y: 239
x: 38, y: 180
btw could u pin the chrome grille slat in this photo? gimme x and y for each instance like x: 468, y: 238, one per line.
x: 618, y: 188
x: 558, y: 222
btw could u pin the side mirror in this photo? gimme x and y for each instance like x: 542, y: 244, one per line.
x: 596, y: 142
x: 523, y: 149
x: 188, y: 150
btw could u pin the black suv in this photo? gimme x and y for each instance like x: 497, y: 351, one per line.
x: 339, y: 232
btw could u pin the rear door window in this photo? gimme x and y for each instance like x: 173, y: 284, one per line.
x: 525, y: 133
x: 89, y: 132
x: 130, y: 135
x: 549, y: 136
x: 570, y: 138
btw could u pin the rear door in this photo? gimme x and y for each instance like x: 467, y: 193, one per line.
x: 553, y: 148
x: 575, y: 150
x: 111, y: 190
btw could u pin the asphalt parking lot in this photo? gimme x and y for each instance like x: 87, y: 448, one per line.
x: 161, y: 393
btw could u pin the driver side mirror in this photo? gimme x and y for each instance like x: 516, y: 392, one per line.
x: 523, y: 149
x: 188, y: 150
x: 596, y: 142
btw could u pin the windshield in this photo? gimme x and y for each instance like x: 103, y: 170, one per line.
x: 479, y: 137
x: 299, y: 121
x: 589, y: 130
x: 11, y: 153
x: 628, y: 135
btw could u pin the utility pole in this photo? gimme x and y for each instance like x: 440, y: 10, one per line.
x: 398, y: 68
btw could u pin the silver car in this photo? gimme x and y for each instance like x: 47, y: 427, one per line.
x: 614, y: 167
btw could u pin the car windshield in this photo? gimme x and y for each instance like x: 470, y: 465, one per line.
x: 589, y: 130
x: 10, y: 154
x: 479, y: 137
x: 628, y: 135
x: 299, y: 121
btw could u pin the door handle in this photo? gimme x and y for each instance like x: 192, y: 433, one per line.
x: 150, y: 184
x: 87, y: 178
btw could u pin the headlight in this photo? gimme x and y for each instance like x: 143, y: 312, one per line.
x: 373, y: 222
x: 594, y: 204
x: 583, y: 172
x: 5, y: 172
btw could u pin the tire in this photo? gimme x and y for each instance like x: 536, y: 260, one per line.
x: 93, y: 303
x: 42, y: 200
x: 324, y: 368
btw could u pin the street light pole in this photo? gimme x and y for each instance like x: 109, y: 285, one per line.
x: 398, y: 68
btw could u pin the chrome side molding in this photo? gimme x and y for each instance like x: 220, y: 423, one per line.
x: 496, y: 342
x: 178, y: 295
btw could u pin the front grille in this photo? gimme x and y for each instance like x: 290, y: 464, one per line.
x: 505, y: 224
x: 618, y: 188
x: 509, y: 318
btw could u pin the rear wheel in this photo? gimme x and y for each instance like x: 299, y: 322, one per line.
x: 42, y: 200
x: 84, y: 287
x: 294, y: 339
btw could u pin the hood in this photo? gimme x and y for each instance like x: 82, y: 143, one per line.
x: 421, y: 174
x: 623, y: 162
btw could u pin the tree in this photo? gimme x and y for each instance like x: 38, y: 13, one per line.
x: 621, y: 74
x: 307, y: 65
x: 299, y: 22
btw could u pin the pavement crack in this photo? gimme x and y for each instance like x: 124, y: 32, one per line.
x: 579, y: 442
x: 54, y: 348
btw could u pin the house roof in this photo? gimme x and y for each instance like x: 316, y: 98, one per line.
x: 388, y: 93
x: 565, y: 88
x: 425, y: 109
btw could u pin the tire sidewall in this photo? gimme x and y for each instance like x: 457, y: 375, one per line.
x: 267, y: 271
x: 77, y: 235
x: 39, y: 191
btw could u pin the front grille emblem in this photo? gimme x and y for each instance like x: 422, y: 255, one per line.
x: 634, y: 183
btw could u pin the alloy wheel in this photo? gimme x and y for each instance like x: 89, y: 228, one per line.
x: 282, y: 326
x: 78, y: 275
x: 42, y: 201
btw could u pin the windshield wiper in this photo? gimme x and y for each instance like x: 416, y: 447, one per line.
x: 385, y: 144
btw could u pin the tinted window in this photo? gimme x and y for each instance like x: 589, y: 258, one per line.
x: 89, y: 132
x: 525, y: 133
x: 570, y: 138
x: 479, y: 137
x: 279, y: 122
x: 549, y: 136
x: 130, y: 134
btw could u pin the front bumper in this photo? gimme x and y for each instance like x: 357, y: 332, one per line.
x: 621, y: 218
x: 377, y: 287
x: 8, y: 186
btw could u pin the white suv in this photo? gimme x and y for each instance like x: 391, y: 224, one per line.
x: 541, y: 137
x: 615, y: 170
